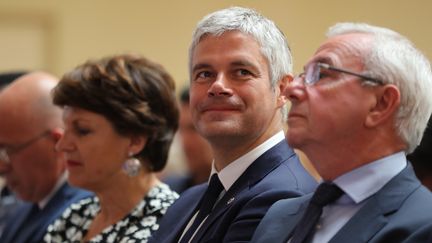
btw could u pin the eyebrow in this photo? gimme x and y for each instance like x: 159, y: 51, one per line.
x: 242, y: 63
x: 200, y: 66
x: 325, y: 60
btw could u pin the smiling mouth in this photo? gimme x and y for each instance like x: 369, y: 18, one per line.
x: 295, y: 115
x: 219, y: 109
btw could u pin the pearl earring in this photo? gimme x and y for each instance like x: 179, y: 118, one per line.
x: 131, y: 166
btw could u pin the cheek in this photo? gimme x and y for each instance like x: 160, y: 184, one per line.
x: 194, y: 104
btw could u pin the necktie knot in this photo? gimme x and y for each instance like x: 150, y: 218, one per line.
x: 326, y: 193
x: 215, y: 185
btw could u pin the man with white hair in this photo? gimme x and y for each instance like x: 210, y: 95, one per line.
x: 30, y: 126
x: 240, y: 64
x: 360, y: 106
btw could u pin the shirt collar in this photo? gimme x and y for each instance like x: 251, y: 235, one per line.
x: 368, y: 179
x: 235, y: 169
x: 63, y: 178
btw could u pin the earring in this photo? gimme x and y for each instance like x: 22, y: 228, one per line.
x: 131, y: 166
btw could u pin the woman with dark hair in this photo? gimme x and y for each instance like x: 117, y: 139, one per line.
x: 120, y: 117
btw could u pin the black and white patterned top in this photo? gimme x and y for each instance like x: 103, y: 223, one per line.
x: 137, y: 226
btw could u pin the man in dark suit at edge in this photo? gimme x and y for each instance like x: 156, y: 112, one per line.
x: 360, y: 106
x: 30, y: 126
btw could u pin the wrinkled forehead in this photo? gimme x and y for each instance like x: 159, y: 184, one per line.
x: 344, y: 50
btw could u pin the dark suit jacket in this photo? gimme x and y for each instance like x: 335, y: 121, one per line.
x: 391, y: 215
x: 179, y: 183
x: 27, y: 226
x: 8, y: 204
x: 422, y: 235
x: 276, y: 174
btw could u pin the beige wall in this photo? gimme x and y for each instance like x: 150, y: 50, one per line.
x: 66, y: 33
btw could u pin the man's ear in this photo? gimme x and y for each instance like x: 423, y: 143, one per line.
x: 137, y: 143
x: 280, y: 89
x: 56, y: 134
x: 386, y: 105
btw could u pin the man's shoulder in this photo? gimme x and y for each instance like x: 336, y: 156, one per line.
x: 178, y: 183
x: 63, y: 199
x: 281, y: 169
x: 71, y: 194
x: 193, y: 193
x: 417, y: 207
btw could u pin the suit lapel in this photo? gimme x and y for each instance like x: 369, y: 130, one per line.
x: 373, y: 216
x: 51, y: 211
x: 253, y: 174
x: 35, y: 227
x: 367, y: 222
x: 281, y: 219
x: 16, y: 222
x: 288, y: 217
x: 186, y: 213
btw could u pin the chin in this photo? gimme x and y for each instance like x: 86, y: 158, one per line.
x: 76, y: 182
x: 222, y: 127
x: 294, y: 141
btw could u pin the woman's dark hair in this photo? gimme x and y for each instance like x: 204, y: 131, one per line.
x: 136, y: 95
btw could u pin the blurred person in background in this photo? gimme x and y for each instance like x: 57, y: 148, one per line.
x: 120, y: 116
x: 8, y: 201
x: 30, y: 126
x: 422, y: 156
x: 7, y: 77
x: 196, y: 149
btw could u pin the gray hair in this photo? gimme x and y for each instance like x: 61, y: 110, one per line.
x: 274, y: 45
x: 395, y: 60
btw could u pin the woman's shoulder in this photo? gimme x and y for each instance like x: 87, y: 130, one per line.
x: 84, y: 206
x: 156, y: 201
x: 73, y: 221
x: 163, y: 192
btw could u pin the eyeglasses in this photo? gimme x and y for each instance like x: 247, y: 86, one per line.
x: 6, y: 151
x: 313, y: 73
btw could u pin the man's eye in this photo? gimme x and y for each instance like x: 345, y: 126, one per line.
x: 203, y: 74
x: 323, y: 75
x: 301, y: 75
x: 243, y: 72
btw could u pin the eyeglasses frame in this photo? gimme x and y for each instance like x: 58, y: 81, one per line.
x: 5, y: 152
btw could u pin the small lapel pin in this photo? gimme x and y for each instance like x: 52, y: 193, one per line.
x: 230, y: 200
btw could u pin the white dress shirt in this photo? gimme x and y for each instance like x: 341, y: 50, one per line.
x: 60, y: 182
x: 235, y: 169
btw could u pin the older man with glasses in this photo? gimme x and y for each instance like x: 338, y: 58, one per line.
x: 361, y: 105
x: 30, y: 126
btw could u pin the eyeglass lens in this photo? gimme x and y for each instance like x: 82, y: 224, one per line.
x: 312, y: 73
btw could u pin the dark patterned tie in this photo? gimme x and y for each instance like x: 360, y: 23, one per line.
x: 326, y: 193
x: 205, y: 206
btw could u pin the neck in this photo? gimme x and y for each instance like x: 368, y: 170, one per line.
x: 336, y: 160
x: 224, y: 155
x: 201, y: 177
x: 118, y: 199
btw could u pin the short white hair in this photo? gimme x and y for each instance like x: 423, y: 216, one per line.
x: 272, y: 41
x: 395, y: 60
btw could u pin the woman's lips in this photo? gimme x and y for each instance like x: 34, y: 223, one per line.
x: 73, y: 163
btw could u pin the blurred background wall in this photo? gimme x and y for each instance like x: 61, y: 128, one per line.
x: 57, y: 35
